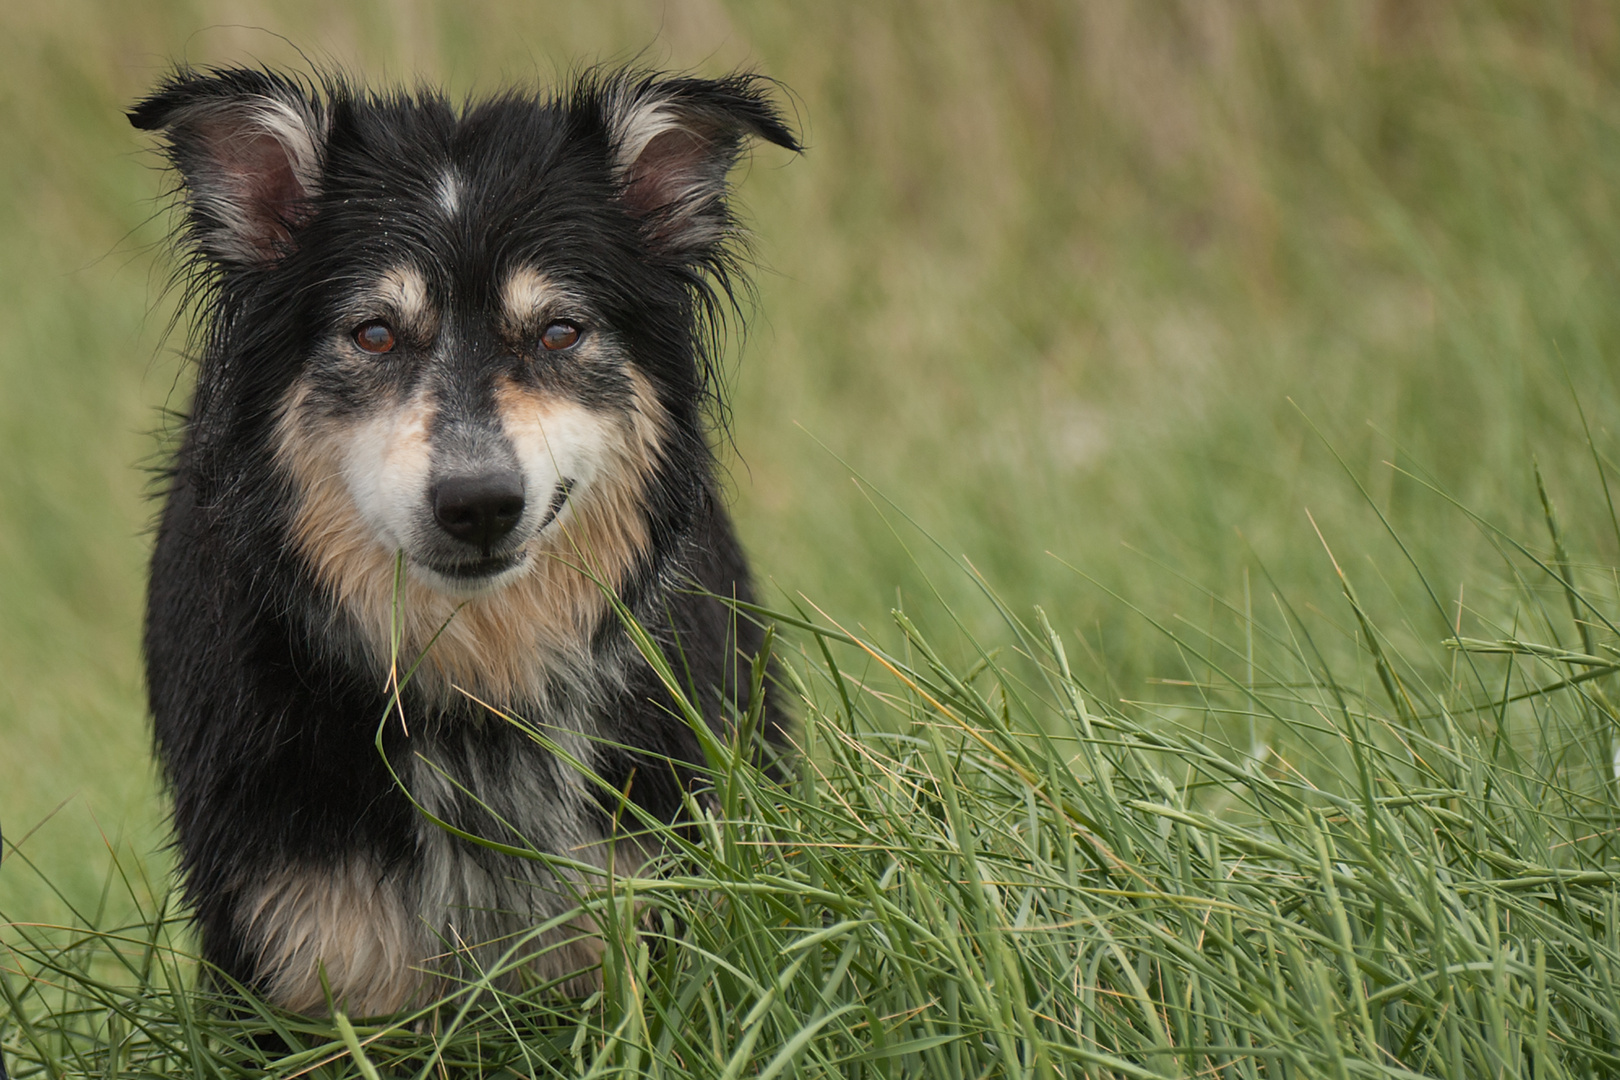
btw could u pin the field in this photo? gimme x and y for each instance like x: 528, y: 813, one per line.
x: 1268, y: 349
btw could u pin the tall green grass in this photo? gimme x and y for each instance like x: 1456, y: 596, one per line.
x: 1075, y: 285
x: 1407, y: 867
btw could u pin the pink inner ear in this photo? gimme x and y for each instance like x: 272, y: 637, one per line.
x: 257, y: 170
x: 670, y: 165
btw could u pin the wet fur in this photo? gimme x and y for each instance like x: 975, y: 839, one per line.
x: 309, y: 207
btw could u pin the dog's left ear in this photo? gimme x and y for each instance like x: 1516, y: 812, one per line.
x: 248, y: 147
x: 674, y: 141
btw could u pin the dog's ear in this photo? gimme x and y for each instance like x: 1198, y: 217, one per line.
x: 248, y: 147
x: 673, y: 143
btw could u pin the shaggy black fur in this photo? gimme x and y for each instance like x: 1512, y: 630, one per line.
x: 264, y: 712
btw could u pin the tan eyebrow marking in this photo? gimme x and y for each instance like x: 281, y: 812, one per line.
x: 527, y: 292
x: 405, y: 289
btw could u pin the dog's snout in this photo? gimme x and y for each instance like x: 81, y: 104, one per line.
x: 479, y: 509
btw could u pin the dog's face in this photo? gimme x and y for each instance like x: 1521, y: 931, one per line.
x: 467, y: 419
x: 477, y: 328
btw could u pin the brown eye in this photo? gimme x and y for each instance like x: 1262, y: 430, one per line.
x: 374, y: 337
x: 559, y: 335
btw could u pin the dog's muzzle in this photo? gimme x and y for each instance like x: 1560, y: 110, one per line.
x: 480, y: 512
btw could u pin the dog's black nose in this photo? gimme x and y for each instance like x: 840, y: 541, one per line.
x: 479, y: 509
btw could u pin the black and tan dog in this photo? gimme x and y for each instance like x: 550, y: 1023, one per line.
x: 455, y: 377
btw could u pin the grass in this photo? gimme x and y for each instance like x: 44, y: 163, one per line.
x: 995, y: 872
x: 1105, y: 296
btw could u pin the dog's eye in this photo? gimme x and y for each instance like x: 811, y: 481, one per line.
x: 560, y: 335
x: 374, y: 337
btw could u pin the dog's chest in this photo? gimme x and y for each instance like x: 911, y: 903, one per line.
x: 391, y: 929
x: 524, y: 788
x: 526, y: 793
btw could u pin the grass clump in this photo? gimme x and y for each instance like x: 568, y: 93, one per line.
x: 1302, y: 860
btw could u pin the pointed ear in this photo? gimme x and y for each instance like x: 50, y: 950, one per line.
x: 673, y: 143
x: 248, y: 148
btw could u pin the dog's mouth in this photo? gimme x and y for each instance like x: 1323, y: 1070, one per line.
x: 480, y: 569
x: 559, y: 499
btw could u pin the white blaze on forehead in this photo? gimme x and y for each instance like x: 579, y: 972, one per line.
x: 405, y: 290
x: 450, y: 193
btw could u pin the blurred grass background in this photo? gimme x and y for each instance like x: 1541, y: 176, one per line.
x: 1054, y: 277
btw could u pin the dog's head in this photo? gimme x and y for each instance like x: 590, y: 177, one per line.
x: 464, y: 328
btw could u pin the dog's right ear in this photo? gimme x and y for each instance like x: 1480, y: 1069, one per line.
x: 673, y: 142
x: 248, y: 148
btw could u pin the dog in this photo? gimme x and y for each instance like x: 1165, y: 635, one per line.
x: 455, y: 402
